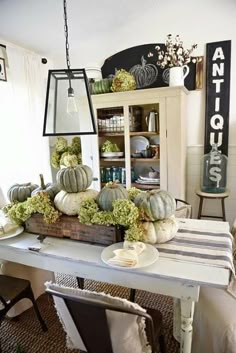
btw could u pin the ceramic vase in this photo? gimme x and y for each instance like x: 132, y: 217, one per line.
x: 177, y: 75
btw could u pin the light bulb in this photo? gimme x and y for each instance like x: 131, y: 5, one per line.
x: 71, y: 108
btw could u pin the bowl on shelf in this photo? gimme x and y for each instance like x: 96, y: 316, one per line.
x: 112, y: 154
x: 146, y: 153
x: 136, y: 155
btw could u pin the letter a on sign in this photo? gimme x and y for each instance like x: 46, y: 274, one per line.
x: 218, y: 58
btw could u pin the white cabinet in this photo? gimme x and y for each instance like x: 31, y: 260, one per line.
x: 121, y: 119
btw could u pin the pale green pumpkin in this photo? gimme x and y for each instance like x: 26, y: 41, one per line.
x: 50, y: 188
x: 20, y: 192
x: 69, y: 203
x: 110, y: 193
x: 160, y: 231
x: 155, y: 205
x: 75, y: 179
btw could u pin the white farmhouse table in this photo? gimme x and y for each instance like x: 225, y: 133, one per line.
x: 174, y: 278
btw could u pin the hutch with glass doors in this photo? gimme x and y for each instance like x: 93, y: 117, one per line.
x: 140, y: 140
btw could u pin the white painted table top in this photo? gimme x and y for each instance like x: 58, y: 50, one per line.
x: 56, y: 250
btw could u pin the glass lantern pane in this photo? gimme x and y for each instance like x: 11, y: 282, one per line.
x: 66, y: 114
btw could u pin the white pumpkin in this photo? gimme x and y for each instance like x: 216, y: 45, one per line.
x: 69, y: 203
x: 160, y: 231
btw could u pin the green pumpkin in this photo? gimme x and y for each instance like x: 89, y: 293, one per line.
x: 110, y: 193
x: 102, y: 86
x: 20, y: 192
x: 155, y: 204
x: 50, y: 188
x: 75, y: 179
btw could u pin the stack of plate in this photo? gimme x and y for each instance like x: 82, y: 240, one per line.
x: 147, y: 180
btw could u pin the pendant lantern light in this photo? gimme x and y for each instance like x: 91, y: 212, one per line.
x: 68, y: 108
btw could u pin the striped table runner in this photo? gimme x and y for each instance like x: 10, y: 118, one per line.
x: 205, y: 245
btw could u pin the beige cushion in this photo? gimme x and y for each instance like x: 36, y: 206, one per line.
x: 127, y: 331
x: 214, y: 326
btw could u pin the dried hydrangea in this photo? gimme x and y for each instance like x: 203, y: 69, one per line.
x: 61, y: 144
x: 65, y: 154
x: 123, y: 81
x: 69, y: 160
x: 55, y: 159
x: 135, y: 233
x: 174, y: 53
x: 125, y: 212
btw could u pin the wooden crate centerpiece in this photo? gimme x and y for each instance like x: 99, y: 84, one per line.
x: 70, y: 227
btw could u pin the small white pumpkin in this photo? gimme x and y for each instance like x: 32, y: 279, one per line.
x: 160, y: 231
x: 69, y: 202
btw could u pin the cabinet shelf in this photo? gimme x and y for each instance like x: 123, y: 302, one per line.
x: 145, y: 160
x: 112, y: 159
x: 101, y: 133
x: 143, y: 133
x: 132, y: 133
x: 145, y: 186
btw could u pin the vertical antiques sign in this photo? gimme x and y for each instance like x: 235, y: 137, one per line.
x: 218, y: 58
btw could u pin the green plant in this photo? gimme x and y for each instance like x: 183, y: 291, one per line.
x: 124, y: 213
x: 123, y: 81
x: 108, y: 146
x: 65, y: 154
x: 19, y: 212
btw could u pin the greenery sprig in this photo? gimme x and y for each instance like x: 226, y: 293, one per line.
x: 124, y: 213
x: 19, y: 212
x: 65, y: 154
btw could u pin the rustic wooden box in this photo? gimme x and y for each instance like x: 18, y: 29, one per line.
x: 70, y: 227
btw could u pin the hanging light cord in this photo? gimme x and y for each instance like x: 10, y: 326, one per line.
x: 67, y: 40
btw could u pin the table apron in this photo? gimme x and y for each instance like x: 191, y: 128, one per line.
x: 175, y: 288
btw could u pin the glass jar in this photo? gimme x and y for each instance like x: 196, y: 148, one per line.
x: 214, y: 171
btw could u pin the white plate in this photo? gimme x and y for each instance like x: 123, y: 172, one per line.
x: 140, y: 181
x: 138, y: 143
x: 146, y: 258
x: 112, y: 154
x: 18, y: 231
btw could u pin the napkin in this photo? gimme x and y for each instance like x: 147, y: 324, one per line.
x: 129, y: 255
x: 6, y: 225
x: 137, y: 246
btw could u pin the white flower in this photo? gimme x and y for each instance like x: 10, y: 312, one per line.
x: 174, y: 54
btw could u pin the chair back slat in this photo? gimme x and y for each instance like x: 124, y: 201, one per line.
x: 91, y: 322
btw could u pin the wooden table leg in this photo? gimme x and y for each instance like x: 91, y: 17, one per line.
x: 187, y: 310
x: 200, y: 207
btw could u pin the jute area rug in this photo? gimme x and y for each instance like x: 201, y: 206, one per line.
x: 25, y: 335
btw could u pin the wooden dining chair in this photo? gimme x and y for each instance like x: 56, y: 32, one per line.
x: 12, y: 290
x: 94, y: 315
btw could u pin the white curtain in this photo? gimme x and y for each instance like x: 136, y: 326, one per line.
x: 24, y: 152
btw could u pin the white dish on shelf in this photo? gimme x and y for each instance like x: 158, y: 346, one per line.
x: 138, y: 143
x: 149, y: 179
x: 112, y: 154
x: 145, y: 182
x: 146, y: 258
x: 12, y: 234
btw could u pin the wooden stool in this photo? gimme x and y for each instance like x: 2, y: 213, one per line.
x: 208, y: 195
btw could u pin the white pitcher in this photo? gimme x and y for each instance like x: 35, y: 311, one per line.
x: 177, y: 75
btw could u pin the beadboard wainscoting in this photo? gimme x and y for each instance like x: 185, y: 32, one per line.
x: 212, y: 207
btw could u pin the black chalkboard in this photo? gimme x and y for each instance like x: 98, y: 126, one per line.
x: 143, y: 66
